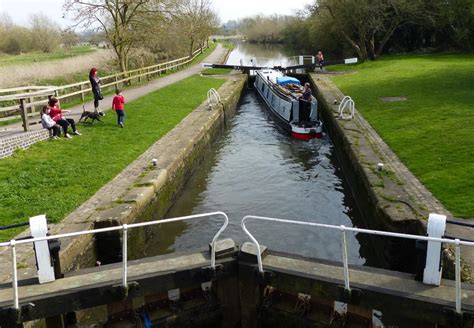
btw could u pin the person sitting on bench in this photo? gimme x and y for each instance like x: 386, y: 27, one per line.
x: 48, y: 123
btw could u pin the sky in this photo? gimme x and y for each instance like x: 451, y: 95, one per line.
x: 20, y: 10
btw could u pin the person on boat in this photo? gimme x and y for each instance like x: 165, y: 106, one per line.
x: 307, y: 93
x: 320, y: 59
x: 95, y: 85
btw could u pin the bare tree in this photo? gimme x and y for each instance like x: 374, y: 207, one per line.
x: 264, y: 28
x: 45, y: 34
x: 6, y: 25
x: 123, y: 21
x: 197, y: 20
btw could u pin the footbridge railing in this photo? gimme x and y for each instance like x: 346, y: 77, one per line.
x: 343, y: 229
x: 124, y: 228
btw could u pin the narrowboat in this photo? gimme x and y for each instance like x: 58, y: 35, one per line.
x: 281, y: 94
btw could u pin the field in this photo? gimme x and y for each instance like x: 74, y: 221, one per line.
x: 51, y: 71
x: 49, y: 177
x: 34, y: 57
x: 432, y: 131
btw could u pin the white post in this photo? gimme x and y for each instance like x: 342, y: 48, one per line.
x: 433, y: 270
x: 39, y: 228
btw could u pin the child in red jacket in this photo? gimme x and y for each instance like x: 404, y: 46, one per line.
x: 118, y: 106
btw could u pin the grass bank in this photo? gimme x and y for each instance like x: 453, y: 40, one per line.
x: 56, y: 176
x: 34, y: 57
x: 432, y: 131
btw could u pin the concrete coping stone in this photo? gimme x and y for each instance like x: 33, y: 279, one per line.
x: 248, y: 251
x: 224, y: 247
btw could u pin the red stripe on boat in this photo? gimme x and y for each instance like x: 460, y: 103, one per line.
x: 306, y: 136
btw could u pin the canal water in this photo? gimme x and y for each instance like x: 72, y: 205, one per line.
x: 256, y: 169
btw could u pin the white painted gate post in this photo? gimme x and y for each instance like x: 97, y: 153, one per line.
x: 39, y: 228
x: 436, y: 228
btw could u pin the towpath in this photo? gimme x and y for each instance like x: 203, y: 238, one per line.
x: 132, y: 93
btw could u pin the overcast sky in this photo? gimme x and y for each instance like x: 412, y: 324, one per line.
x: 19, y: 10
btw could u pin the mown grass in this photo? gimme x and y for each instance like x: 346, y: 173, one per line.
x: 33, y: 57
x: 55, y: 177
x: 432, y: 132
x: 216, y: 71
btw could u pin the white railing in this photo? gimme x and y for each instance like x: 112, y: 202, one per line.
x: 343, y: 230
x: 27, y: 99
x: 348, y: 103
x: 12, y: 244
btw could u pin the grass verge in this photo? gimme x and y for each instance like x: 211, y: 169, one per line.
x: 216, y: 71
x: 432, y: 131
x: 56, y: 176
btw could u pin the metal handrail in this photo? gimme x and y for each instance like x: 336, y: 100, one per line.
x: 343, y: 230
x: 12, y: 244
x: 213, y: 97
x: 346, y: 102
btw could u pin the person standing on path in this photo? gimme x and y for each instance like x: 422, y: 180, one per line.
x: 95, y: 84
x: 118, y: 106
x: 320, y: 59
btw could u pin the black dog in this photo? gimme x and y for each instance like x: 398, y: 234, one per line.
x: 96, y: 115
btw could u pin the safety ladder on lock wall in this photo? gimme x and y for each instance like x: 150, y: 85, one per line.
x: 348, y: 103
x: 213, y: 98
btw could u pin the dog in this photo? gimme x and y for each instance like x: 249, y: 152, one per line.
x: 95, y: 115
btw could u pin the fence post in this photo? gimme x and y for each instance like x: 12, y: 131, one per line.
x: 30, y: 100
x: 148, y: 74
x: 82, y: 92
x: 24, y: 114
x: 140, y: 76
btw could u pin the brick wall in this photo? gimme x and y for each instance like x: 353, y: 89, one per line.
x: 8, y: 145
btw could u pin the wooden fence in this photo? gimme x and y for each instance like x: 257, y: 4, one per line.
x: 30, y: 99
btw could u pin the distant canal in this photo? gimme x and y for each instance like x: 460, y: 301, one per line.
x: 255, y: 169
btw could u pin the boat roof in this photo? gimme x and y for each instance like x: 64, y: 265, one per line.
x: 285, y: 80
x: 271, y: 74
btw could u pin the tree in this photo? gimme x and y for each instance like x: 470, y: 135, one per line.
x: 18, y: 41
x: 45, y: 34
x: 197, y: 20
x: 123, y: 21
x: 367, y: 25
x: 264, y: 28
x: 69, y: 38
x: 6, y: 25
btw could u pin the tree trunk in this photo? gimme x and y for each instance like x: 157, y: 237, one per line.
x: 355, y: 46
x: 386, y: 37
x: 371, y: 46
x: 191, y: 45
